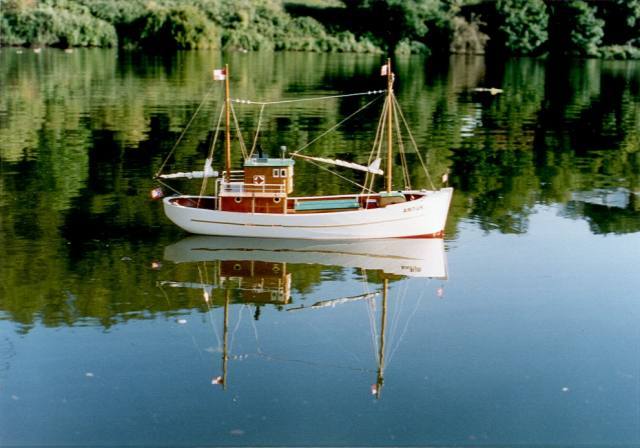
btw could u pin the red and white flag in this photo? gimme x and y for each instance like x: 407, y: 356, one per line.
x: 384, y: 70
x: 219, y: 74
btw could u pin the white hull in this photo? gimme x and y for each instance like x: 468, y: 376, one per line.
x: 422, y: 217
x: 412, y: 258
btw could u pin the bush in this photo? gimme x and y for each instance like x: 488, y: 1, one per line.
x: 180, y: 27
x: 620, y: 52
x: 575, y: 28
x: 52, y: 26
x: 524, y: 24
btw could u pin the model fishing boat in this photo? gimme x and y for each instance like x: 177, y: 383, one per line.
x: 256, y: 201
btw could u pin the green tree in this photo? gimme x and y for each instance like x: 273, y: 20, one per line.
x: 524, y: 24
x: 575, y: 29
x: 179, y: 27
x: 392, y: 21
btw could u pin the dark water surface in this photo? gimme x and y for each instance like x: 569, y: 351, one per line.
x: 523, y: 328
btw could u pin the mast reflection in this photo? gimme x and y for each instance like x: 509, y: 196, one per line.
x: 257, y: 272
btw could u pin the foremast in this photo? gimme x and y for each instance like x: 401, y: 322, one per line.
x: 389, y: 177
x: 227, y: 129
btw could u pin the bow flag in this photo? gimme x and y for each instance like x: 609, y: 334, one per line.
x: 384, y: 70
x: 219, y: 74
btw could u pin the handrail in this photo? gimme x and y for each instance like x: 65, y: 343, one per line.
x: 242, y: 187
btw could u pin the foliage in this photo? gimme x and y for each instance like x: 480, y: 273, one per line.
x: 179, y: 27
x: 524, y: 24
x: 619, y: 52
x: 575, y: 29
x: 467, y: 37
x: 392, y: 21
x: 59, y: 24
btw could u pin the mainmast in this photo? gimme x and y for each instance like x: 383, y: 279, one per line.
x: 389, y: 125
x: 227, y: 107
x: 225, y: 354
x: 383, y: 325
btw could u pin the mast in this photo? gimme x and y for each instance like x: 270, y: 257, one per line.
x: 389, y: 125
x: 225, y: 356
x: 227, y: 107
x: 383, y: 324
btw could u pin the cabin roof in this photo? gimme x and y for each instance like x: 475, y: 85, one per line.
x: 259, y: 161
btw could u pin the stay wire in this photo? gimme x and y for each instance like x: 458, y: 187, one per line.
x: 184, y: 131
x: 331, y: 129
x: 264, y: 103
x: 415, y: 145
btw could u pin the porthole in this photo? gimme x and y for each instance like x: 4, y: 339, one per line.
x: 237, y: 199
x: 237, y: 267
x: 283, y: 173
x: 276, y: 172
x: 276, y: 200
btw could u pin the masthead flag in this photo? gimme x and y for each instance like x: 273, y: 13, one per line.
x: 384, y: 70
x: 219, y: 74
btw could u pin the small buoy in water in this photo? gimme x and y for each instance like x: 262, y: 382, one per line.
x: 18, y: 51
x: 182, y: 321
x: 440, y: 292
x: 89, y: 375
x: 37, y: 50
x: 565, y: 389
x: 68, y: 50
x: 156, y: 265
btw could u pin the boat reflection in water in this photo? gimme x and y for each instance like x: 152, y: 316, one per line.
x: 254, y: 271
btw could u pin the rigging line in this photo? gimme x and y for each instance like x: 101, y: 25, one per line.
x: 335, y: 126
x: 339, y: 175
x: 255, y: 139
x: 243, y: 148
x: 403, y: 156
x: 397, y: 310
x: 415, y: 145
x: 404, y: 330
x: 209, y: 306
x: 372, y: 326
x: 312, y: 363
x: 235, y: 330
x: 213, y: 145
x: 369, y: 176
x: 168, y: 186
x: 264, y: 103
x: 383, y: 119
x: 255, y: 333
x: 184, y: 131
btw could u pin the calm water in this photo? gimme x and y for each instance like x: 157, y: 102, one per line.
x: 522, y: 328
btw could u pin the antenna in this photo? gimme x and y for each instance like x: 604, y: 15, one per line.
x: 283, y: 148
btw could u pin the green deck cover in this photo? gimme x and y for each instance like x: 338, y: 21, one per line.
x: 327, y: 204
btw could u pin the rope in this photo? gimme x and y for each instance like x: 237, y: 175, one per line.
x: 168, y: 186
x: 422, y: 162
x: 264, y: 103
x: 340, y: 176
x: 243, y: 148
x: 403, y: 156
x: 334, y: 127
x: 184, y: 131
x: 213, y: 145
x: 369, y: 179
x: 255, y: 139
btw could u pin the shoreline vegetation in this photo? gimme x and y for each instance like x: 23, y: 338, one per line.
x: 608, y: 29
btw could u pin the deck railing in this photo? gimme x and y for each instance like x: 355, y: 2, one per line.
x: 240, y: 188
